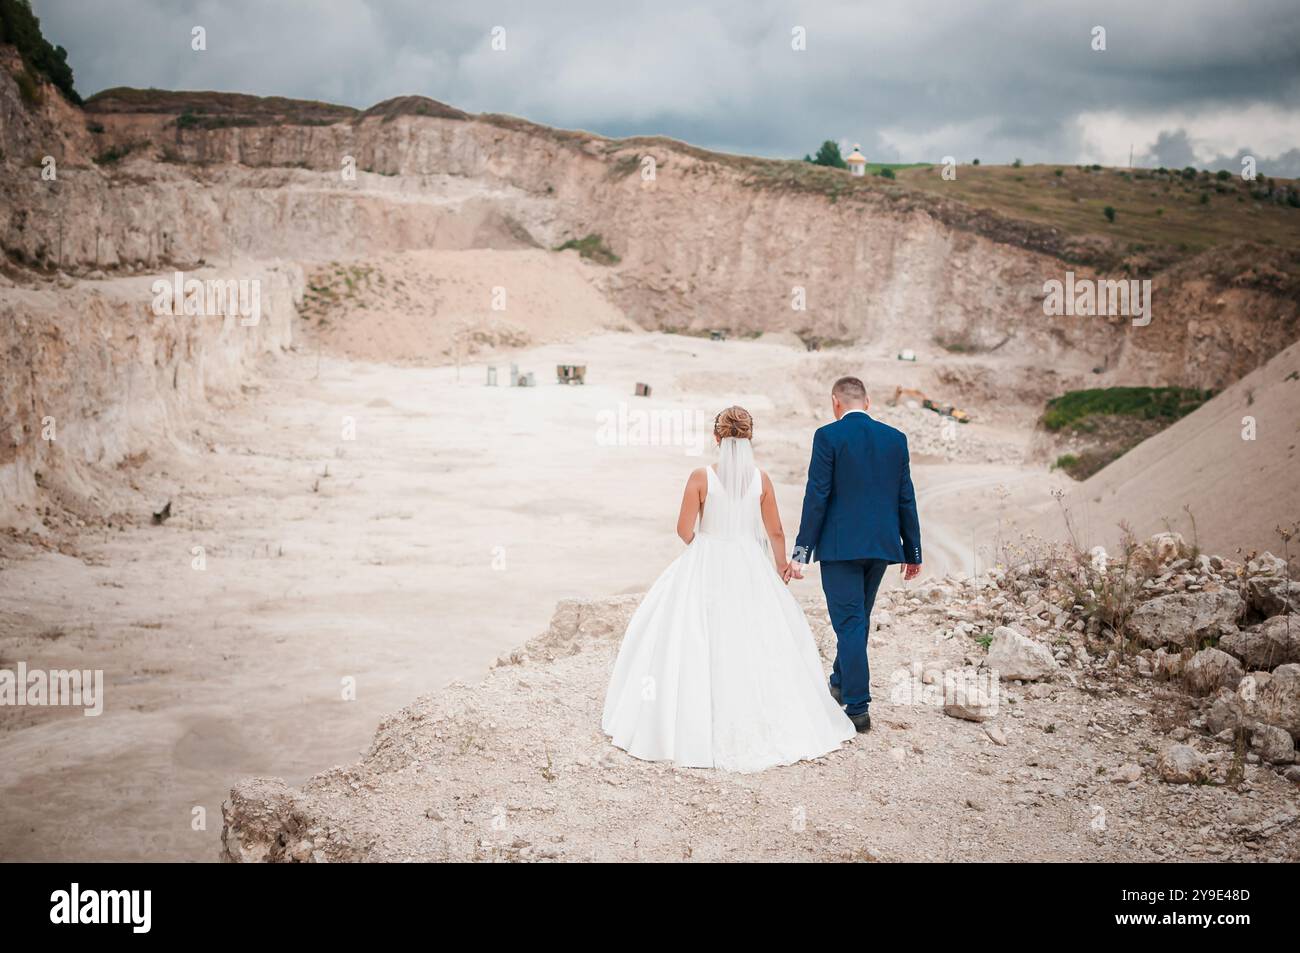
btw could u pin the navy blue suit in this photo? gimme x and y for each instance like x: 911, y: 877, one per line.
x: 859, y: 516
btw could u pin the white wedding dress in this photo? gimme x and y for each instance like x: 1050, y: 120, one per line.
x: 718, y: 668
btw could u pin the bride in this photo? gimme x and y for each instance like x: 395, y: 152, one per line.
x: 718, y: 668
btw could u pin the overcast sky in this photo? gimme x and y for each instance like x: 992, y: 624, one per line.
x: 1180, y: 81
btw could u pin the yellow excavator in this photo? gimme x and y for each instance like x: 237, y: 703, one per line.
x: 946, y: 410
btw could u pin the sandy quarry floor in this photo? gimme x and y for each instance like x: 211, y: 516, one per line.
x: 514, y: 767
x: 439, y: 538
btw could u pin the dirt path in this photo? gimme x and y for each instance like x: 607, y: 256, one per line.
x: 439, y: 537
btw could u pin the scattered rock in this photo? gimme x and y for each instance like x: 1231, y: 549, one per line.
x: 1273, y: 744
x: 1278, y: 701
x: 1015, y: 656
x: 968, y: 698
x: 1272, y: 595
x: 1166, y: 546
x: 1226, y: 714
x: 1211, y: 669
x: 996, y: 735
x: 1169, y: 664
x: 1127, y: 773
x: 1182, y: 764
x: 1184, y: 619
x: 1276, y: 642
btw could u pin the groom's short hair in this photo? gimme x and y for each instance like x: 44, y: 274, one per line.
x: 850, y: 388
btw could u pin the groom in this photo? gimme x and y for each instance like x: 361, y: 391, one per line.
x: 859, y: 516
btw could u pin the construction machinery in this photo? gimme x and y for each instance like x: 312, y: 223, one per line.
x: 944, y: 410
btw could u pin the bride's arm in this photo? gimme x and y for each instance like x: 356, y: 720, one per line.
x: 692, y: 499
x: 772, y: 523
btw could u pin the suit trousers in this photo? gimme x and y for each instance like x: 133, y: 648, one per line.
x: 850, y: 586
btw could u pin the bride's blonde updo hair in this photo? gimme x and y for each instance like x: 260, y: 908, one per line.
x: 733, y: 422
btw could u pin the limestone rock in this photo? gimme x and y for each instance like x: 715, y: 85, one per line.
x: 1015, y: 656
x: 1274, y: 643
x: 1183, y: 619
x: 1278, y: 701
x: 1182, y: 764
x: 1211, y: 669
x: 1166, y: 546
x: 1227, y: 713
x: 1168, y: 664
x: 1272, y: 595
x: 1127, y: 773
x: 1273, y: 744
x: 969, y: 698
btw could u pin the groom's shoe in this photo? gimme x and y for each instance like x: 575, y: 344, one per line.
x: 861, y: 722
x: 835, y: 694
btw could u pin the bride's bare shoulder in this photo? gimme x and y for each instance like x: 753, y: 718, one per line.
x: 698, y: 482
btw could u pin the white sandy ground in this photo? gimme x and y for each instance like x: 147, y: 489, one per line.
x: 514, y: 767
x: 1225, y: 475
x: 437, y: 540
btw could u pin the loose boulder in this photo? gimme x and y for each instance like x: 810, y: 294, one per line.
x: 968, y: 697
x: 1278, y: 701
x: 1184, y: 619
x: 1272, y: 595
x: 1182, y: 764
x: 1015, y: 656
x: 1273, y: 744
x: 1211, y: 669
x: 1276, y: 642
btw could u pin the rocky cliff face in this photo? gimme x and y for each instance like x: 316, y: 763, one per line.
x: 709, y: 241
x: 149, y: 182
x: 98, y: 378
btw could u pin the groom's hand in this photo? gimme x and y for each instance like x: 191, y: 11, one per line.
x: 791, y: 572
x: 911, y: 571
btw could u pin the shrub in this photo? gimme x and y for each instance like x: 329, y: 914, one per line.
x: 1109, y: 212
x: 112, y: 155
x: 828, y: 155
x: 29, y: 88
x: 1146, y: 403
x: 593, y: 248
x: 19, y: 26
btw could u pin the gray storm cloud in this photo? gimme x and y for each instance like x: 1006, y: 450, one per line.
x: 1198, y: 79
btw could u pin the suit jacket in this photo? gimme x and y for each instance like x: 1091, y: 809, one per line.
x: 859, y: 503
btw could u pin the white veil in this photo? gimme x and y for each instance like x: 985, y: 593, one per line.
x: 735, y: 465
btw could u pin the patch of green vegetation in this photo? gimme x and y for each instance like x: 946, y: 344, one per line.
x: 29, y: 88
x: 112, y: 154
x: 1144, y: 403
x: 623, y: 167
x: 593, y: 248
x: 20, y: 26
x: 829, y: 155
